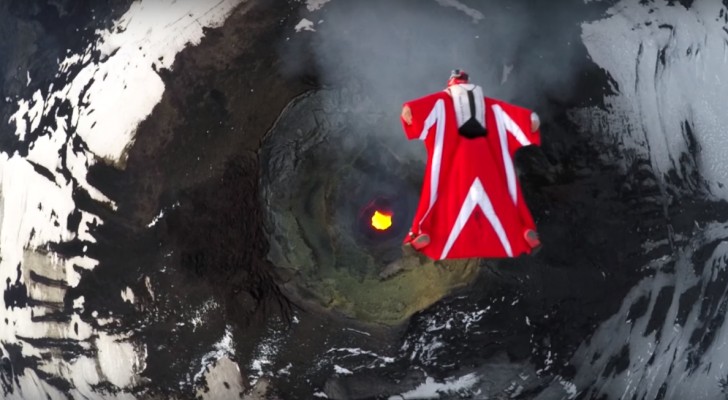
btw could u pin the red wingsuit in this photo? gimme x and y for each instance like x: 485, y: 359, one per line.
x: 471, y: 203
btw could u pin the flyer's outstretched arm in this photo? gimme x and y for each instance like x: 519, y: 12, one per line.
x: 517, y: 127
x: 421, y: 119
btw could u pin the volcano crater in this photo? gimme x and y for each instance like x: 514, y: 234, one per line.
x: 325, y: 170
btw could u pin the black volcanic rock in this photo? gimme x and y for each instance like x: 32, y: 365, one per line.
x: 240, y: 214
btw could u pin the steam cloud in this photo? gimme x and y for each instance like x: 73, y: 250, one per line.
x: 394, y: 50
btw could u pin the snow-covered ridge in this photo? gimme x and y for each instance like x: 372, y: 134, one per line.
x: 669, y: 67
x: 432, y: 389
x: 669, y: 339
x: 108, y: 96
x: 112, y: 96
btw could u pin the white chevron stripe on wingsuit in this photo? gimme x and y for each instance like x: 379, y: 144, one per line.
x: 476, y: 197
x: 515, y: 130
x: 437, y: 118
x: 505, y: 125
x: 507, y: 161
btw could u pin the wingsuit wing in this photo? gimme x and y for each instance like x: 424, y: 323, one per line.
x: 514, y: 127
x: 428, y: 125
x: 423, y: 113
x: 515, y: 121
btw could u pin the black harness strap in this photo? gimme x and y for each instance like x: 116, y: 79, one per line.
x: 472, y: 129
x: 471, y: 102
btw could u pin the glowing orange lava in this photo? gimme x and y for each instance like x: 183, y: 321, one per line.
x: 381, y: 220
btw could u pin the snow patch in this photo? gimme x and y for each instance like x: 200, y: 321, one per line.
x: 78, y: 303
x: 341, y: 370
x: 264, y: 356
x: 286, y: 370
x: 432, y: 389
x: 161, y: 214
x: 199, y: 317
x: 118, y: 360
x: 305, y: 25
x: 223, y: 381
x: 127, y: 295
x: 223, y: 348
x: 350, y: 352
x: 313, y: 5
